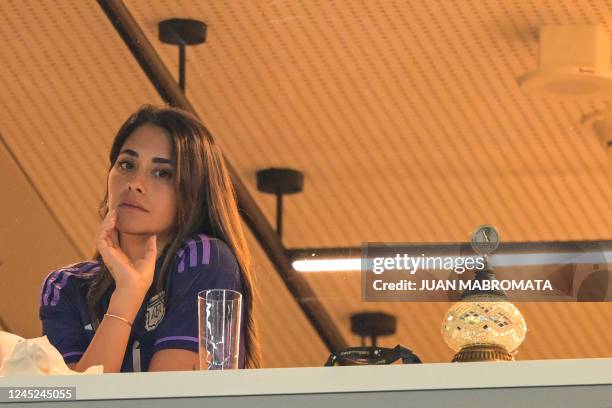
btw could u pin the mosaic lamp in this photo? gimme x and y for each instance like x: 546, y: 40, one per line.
x: 484, y: 325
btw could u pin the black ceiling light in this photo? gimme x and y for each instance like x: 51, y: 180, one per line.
x: 280, y: 181
x: 182, y: 32
x: 373, y: 325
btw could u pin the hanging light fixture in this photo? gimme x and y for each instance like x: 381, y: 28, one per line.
x: 280, y: 182
x: 182, y: 32
x: 484, y: 325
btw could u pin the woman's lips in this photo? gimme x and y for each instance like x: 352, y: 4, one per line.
x: 131, y: 207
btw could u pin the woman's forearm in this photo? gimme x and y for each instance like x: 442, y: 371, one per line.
x: 108, y: 345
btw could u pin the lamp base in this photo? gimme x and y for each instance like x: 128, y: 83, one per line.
x: 482, y: 352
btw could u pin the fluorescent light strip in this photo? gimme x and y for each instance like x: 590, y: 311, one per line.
x: 327, y: 265
x: 562, y: 258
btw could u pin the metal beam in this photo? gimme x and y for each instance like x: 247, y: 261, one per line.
x: 168, y: 89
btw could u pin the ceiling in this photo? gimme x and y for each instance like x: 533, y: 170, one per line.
x: 405, y: 117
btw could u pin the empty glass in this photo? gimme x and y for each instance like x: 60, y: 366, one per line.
x: 219, y: 314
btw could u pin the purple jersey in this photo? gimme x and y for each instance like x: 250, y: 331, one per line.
x: 166, y: 320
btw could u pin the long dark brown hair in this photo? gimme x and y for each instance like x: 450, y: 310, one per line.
x: 206, y: 204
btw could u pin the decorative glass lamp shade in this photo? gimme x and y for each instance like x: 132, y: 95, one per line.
x: 483, y: 327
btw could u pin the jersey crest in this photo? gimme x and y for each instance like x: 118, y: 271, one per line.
x: 155, y: 311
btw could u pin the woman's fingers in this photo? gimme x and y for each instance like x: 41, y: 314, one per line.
x: 151, y: 246
x: 145, y: 266
x: 114, y: 234
x: 114, y: 238
x: 105, y: 239
x: 150, y: 254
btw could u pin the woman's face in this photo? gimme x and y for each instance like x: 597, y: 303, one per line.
x: 141, y: 183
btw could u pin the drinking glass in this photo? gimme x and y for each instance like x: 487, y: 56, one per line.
x: 219, y: 315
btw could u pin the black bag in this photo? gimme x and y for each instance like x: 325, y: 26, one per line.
x: 367, y: 355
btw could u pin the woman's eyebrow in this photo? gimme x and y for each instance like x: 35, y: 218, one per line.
x: 129, y: 152
x: 161, y: 160
x: 133, y: 153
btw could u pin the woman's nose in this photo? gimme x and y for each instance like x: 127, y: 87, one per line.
x: 136, y: 185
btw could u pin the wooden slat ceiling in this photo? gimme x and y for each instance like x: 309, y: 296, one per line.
x: 405, y: 117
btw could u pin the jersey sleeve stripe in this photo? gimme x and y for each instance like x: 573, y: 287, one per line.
x: 73, y: 353
x: 205, y: 249
x: 193, y: 256
x: 49, y: 282
x: 54, y: 275
x: 171, y: 338
x: 181, y: 256
x: 193, y: 253
x: 59, y: 286
x: 192, y: 250
x: 55, y: 287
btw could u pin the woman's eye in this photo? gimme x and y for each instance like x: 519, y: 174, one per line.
x: 163, y: 174
x: 125, y: 165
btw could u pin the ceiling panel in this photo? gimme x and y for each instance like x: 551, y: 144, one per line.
x: 405, y: 117
x: 27, y: 230
x: 68, y: 82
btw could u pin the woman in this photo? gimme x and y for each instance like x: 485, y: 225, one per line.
x: 170, y: 229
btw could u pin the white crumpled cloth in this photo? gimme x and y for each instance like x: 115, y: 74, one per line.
x: 19, y: 356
